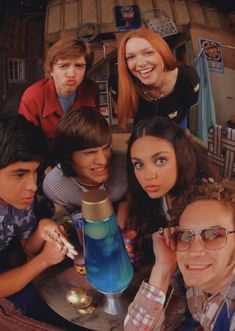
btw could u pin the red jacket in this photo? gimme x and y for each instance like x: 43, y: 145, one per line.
x: 39, y: 104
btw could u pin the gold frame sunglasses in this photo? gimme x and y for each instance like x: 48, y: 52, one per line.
x: 212, y: 238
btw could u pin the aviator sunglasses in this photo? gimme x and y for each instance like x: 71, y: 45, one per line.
x: 212, y: 238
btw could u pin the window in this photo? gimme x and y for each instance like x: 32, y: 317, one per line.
x: 16, y: 70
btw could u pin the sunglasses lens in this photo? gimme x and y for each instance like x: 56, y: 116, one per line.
x: 183, y: 240
x: 214, y: 238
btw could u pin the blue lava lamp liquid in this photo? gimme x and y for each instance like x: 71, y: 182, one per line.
x: 108, y: 265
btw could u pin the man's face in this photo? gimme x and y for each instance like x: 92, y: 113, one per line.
x: 18, y: 184
x: 68, y: 74
x: 92, y: 164
x: 201, y: 267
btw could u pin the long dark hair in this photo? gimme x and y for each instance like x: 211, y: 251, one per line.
x: 190, y: 155
x: 79, y: 129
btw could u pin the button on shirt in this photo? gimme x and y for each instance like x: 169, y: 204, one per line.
x: 15, y: 223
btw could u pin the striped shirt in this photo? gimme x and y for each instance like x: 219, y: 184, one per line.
x: 66, y: 192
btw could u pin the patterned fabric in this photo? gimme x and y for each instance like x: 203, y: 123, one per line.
x: 205, y: 309
x: 153, y: 300
x: 15, y: 223
x: 146, y: 312
x: 221, y: 149
x: 12, y: 320
x: 66, y: 192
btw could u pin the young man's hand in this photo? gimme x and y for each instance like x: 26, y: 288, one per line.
x: 164, y: 250
x: 53, y: 253
x: 47, y: 226
x: 165, y: 259
x: 52, y: 232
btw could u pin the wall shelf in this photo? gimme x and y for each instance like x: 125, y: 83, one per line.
x: 105, y: 101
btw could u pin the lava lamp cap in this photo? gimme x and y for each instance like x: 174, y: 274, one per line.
x: 96, y: 205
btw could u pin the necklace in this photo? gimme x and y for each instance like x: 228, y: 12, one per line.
x: 87, y: 187
x: 77, y: 180
x: 152, y: 93
x: 148, y: 95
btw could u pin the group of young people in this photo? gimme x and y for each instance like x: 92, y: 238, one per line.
x: 164, y: 188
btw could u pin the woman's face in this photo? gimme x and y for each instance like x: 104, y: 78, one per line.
x: 155, y: 165
x: 202, y: 267
x: 144, y: 62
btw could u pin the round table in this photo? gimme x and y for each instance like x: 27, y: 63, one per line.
x: 54, y: 283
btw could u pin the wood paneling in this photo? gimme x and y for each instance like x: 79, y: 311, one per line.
x: 146, y: 9
x: 213, y: 18
x: 54, y: 19
x: 181, y: 12
x: 71, y: 15
x: 196, y: 12
x: 166, y: 7
x: 124, y: 2
x: 107, y: 15
x: 89, y: 11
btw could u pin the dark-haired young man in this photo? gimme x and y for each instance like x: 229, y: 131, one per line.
x: 22, y: 149
x: 86, y: 162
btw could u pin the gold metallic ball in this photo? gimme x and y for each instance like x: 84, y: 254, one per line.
x: 88, y: 310
x: 78, y: 297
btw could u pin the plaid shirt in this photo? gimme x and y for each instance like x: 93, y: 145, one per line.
x: 15, y: 223
x: 147, y: 312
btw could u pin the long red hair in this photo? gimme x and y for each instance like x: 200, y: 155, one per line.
x: 127, y: 91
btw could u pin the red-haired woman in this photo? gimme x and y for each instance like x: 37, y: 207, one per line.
x: 151, y: 81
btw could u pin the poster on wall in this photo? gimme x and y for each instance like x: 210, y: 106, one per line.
x: 213, y: 53
x: 127, y: 18
x: 161, y: 24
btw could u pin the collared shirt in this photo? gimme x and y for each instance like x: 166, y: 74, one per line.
x: 147, y: 312
x: 205, y: 310
x: 15, y: 223
x: 40, y: 105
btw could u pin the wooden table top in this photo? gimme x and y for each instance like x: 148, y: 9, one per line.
x: 54, y: 283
